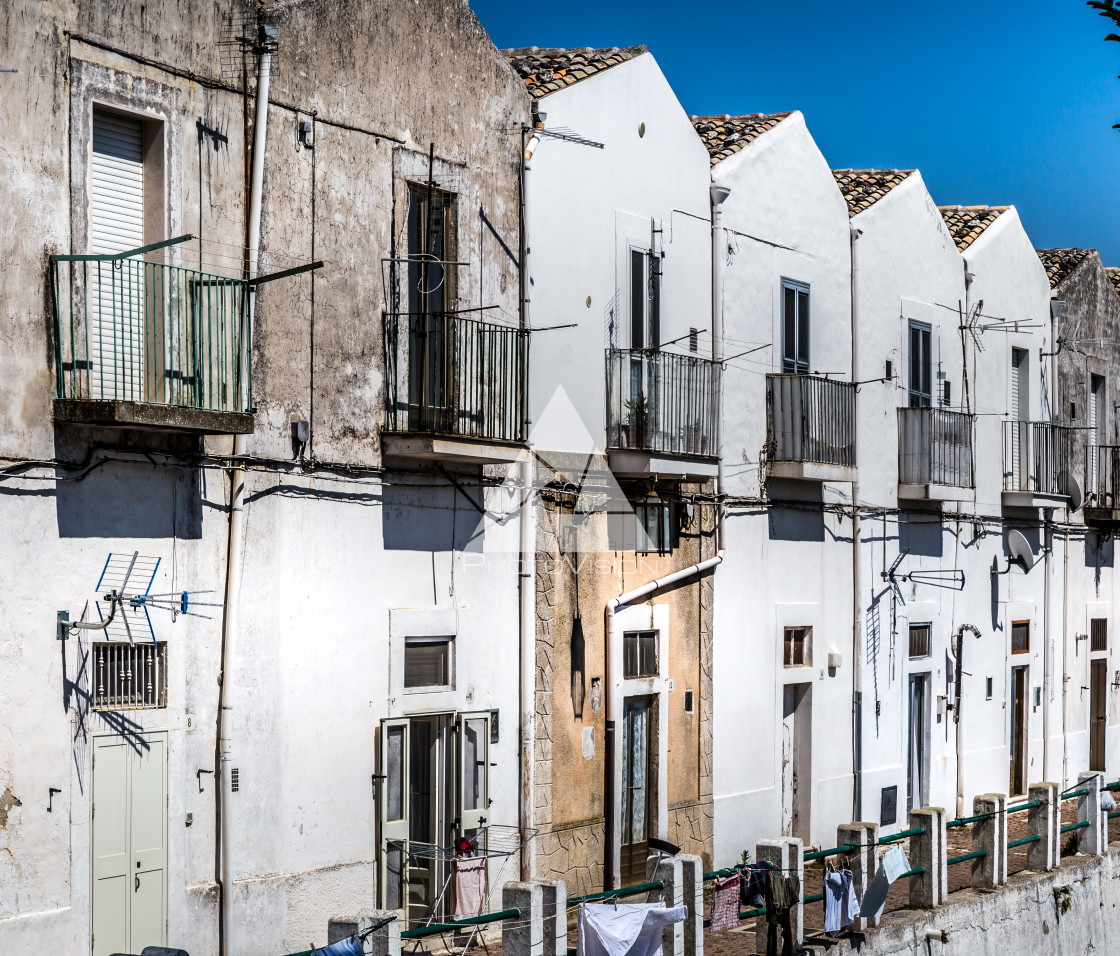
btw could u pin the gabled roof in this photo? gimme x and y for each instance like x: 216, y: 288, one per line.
x: 1113, y: 274
x: 726, y: 135
x: 546, y: 71
x: 966, y: 223
x: 1060, y: 263
x: 862, y: 188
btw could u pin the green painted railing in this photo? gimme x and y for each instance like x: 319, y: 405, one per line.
x: 617, y: 894
x: 965, y: 857
x: 436, y: 929
x: 1023, y: 841
x: 1020, y: 807
x: 901, y: 835
x: 1074, y: 826
x: 834, y: 851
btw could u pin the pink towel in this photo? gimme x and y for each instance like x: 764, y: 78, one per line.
x: 470, y: 887
x: 725, y: 904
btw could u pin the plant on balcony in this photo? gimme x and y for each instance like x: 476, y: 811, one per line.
x: 637, y: 421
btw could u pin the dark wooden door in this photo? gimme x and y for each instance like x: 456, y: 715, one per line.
x: 638, y: 803
x: 1098, y: 688
x: 1018, y: 782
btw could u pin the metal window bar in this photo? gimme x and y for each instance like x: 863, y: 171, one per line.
x: 1098, y: 634
x: 129, y: 676
x: 935, y: 447
x: 129, y: 328
x: 1104, y: 479
x: 1035, y: 454
x: 452, y: 375
x: 662, y: 402
x: 812, y: 419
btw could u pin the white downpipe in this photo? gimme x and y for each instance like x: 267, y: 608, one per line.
x: 526, y: 593
x: 719, y: 194
x: 857, y: 567
x: 691, y: 571
x: 235, y: 557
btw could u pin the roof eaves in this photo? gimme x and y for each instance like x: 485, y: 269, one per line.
x: 549, y: 70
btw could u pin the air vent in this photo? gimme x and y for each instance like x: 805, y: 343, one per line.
x: 234, y: 780
x: 1098, y: 634
x: 693, y: 340
x: 689, y: 702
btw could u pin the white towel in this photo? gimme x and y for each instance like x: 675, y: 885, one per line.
x: 624, y: 929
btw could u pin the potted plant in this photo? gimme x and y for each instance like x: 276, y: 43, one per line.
x: 637, y: 419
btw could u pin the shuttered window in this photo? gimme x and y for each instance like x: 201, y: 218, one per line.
x: 1098, y: 634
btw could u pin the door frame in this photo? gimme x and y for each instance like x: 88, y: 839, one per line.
x: 651, y: 774
x: 1017, y: 733
x: 1098, y: 724
x: 923, y: 680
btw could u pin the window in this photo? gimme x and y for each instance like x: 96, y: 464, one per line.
x: 689, y: 698
x: 795, y: 328
x: 129, y: 676
x: 988, y: 689
x: 920, y: 640
x: 427, y: 663
x: 639, y: 654
x: 645, y: 526
x: 1098, y: 634
x: 1020, y: 637
x: 1020, y: 384
x: 645, y: 300
x: 920, y: 393
x: 798, y: 647
x: 432, y: 225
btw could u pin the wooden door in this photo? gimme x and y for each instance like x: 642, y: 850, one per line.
x: 1018, y: 782
x: 1098, y: 691
x: 638, y: 803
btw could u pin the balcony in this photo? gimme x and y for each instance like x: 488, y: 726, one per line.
x: 1102, y: 486
x: 455, y: 388
x: 935, y: 461
x: 662, y: 414
x: 141, y: 343
x: 1036, y: 463
x: 812, y: 428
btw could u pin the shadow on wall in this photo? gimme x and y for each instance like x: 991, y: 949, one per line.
x: 797, y: 512
x: 430, y: 517
x: 920, y: 535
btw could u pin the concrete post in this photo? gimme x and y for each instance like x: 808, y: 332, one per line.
x: 864, y: 838
x: 692, y: 886
x: 1089, y: 839
x: 1044, y: 821
x: 523, y: 936
x: 671, y: 873
x: 927, y: 850
x: 555, y: 914
x: 787, y: 854
x: 990, y: 836
x: 384, y: 941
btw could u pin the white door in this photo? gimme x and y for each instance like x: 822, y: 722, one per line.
x: 129, y: 843
x: 474, y: 771
x: 393, y: 801
x: 116, y: 289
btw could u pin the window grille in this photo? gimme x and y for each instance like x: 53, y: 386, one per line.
x: 1020, y: 637
x: 798, y: 647
x: 920, y: 640
x: 427, y: 662
x: 1098, y: 634
x: 129, y: 676
x: 639, y: 654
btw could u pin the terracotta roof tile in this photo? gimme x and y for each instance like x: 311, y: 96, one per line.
x: 726, y: 135
x: 1113, y: 274
x: 966, y: 223
x: 1060, y: 263
x: 546, y: 71
x: 862, y: 188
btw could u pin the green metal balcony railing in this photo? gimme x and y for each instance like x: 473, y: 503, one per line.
x: 132, y: 327
x: 451, y: 375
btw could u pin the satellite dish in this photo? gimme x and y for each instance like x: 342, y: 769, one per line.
x: 1071, y: 488
x: 1020, y: 549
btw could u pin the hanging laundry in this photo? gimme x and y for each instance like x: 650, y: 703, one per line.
x: 624, y: 929
x: 840, y: 903
x: 891, y: 866
x: 849, y: 902
x: 470, y: 887
x: 351, y: 946
x: 725, y: 903
x: 753, y: 883
x: 785, y: 892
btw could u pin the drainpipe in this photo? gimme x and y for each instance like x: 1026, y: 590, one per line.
x: 235, y: 555
x: 1065, y: 653
x: 719, y: 194
x: 958, y: 661
x: 857, y: 577
x: 1048, y: 546
x: 614, y: 703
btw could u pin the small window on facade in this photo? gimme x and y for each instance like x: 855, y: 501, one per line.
x: 129, y: 676
x: 798, y: 647
x: 432, y: 225
x: 1098, y: 634
x: 645, y: 300
x: 920, y: 388
x: 639, y: 654
x: 694, y: 340
x: 689, y: 705
x: 644, y: 525
x: 920, y: 640
x: 427, y: 662
x: 795, y: 328
x: 1020, y: 637
x: 988, y: 689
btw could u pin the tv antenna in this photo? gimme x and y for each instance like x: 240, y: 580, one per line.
x: 951, y: 578
x: 125, y: 586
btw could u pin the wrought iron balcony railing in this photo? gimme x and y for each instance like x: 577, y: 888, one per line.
x: 451, y: 375
x: 663, y: 402
x: 1036, y: 456
x: 935, y: 447
x: 128, y: 328
x: 812, y: 419
x: 1102, y: 483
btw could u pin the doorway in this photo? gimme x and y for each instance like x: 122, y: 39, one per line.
x: 129, y: 823
x: 797, y: 760
x: 638, y: 788
x: 917, y: 764
x: 1018, y: 781
x: 1098, y: 690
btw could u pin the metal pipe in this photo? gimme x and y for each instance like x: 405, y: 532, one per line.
x: 235, y: 554
x: 1065, y: 655
x: 857, y: 603
x: 719, y: 194
x: 1047, y: 666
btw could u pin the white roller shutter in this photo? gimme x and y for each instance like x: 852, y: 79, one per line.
x: 116, y: 224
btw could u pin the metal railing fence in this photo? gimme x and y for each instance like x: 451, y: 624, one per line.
x: 935, y: 447
x: 812, y: 419
x: 1035, y: 456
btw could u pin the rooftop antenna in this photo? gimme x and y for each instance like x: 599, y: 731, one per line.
x: 125, y: 586
x: 950, y: 578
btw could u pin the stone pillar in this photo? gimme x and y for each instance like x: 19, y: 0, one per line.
x: 555, y: 914
x: 384, y: 941
x: 930, y: 887
x: 990, y: 835
x: 1044, y: 821
x: 787, y: 854
x: 863, y: 838
x: 670, y: 872
x: 1089, y: 839
x: 523, y: 936
x: 692, y: 886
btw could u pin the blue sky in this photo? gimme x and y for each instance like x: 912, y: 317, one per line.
x: 996, y: 102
